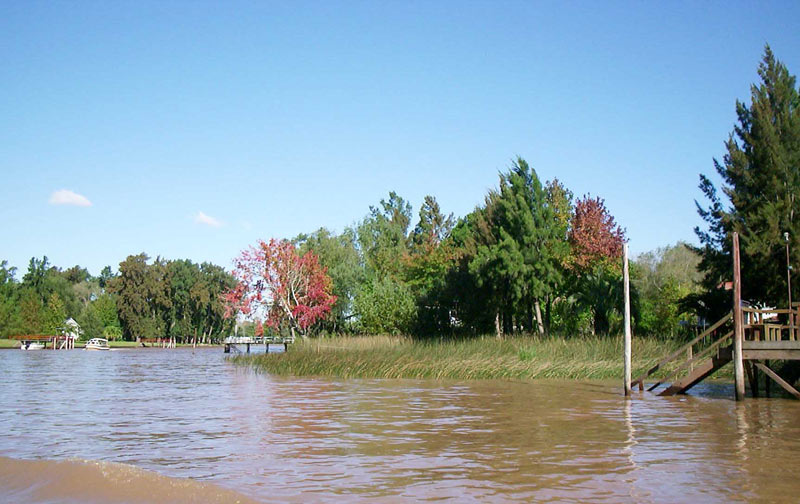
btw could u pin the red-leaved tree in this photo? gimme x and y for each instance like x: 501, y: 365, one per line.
x: 594, y: 236
x: 274, y: 279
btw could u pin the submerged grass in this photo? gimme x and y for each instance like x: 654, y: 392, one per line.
x: 463, y: 359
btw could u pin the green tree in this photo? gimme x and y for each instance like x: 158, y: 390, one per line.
x: 131, y: 289
x: 520, y: 248
x: 433, y: 227
x: 106, y: 308
x: 36, y: 277
x: 428, y: 266
x: 216, y: 281
x: 44, y: 279
x: 10, y: 322
x: 106, y: 275
x: 663, y: 279
x: 30, y: 312
x: 55, y: 314
x: 339, y: 254
x: 91, y: 324
x: 76, y: 274
x: 761, y: 179
x: 385, y: 306
x: 383, y: 236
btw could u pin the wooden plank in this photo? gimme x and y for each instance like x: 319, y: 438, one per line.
x: 771, y: 354
x: 779, y: 311
x: 780, y: 381
x: 771, y: 345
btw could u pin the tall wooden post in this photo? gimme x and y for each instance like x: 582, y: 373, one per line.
x: 738, y: 322
x: 626, y: 280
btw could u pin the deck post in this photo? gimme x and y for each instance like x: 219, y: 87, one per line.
x: 738, y: 330
x: 627, y: 287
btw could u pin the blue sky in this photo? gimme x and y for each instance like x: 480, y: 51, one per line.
x: 192, y: 129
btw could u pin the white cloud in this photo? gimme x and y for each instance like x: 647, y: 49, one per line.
x: 67, y: 197
x: 202, y: 218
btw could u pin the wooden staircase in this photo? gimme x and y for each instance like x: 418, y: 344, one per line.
x: 700, y: 373
x: 703, y: 355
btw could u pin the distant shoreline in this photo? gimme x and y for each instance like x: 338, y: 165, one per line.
x: 10, y: 344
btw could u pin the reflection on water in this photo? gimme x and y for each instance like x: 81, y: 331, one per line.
x: 190, y: 414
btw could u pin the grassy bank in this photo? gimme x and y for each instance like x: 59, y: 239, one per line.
x: 9, y: 343
x: 480, y: 358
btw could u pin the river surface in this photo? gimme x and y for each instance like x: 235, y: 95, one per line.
x: 152, y: 425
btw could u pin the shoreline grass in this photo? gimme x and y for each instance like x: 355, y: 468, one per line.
x: 524, y: 357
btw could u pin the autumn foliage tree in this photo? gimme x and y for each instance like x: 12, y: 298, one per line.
x: 595, y: 237
x: 596, y: 242
x: 275, y: 280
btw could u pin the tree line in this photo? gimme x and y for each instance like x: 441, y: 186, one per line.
x: 530, y: 259
x: 143, y: 299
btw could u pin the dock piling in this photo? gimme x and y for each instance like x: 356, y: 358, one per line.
x: 738, y: 322
x: 626, y: 281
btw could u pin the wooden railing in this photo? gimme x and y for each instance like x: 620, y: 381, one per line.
x: 687, y: 351
x: 765, y: 325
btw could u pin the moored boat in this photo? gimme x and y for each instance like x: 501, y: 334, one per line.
x: 97, y: 344
x: 31, y: 345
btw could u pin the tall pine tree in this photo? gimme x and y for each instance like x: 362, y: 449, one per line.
x: 761, y: 176
x: 520, y: 248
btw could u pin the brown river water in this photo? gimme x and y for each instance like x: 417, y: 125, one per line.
x: 172, y: 426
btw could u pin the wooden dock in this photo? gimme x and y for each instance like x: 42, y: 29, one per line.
x: 158, y: 342
x: 232, y: 342
x: 757, y: 341
x: 56, y: 341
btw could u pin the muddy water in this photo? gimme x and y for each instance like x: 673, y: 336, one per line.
x: 180, y: 425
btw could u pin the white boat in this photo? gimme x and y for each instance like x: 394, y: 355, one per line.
x: 97, y: 344
x: 31, y: 345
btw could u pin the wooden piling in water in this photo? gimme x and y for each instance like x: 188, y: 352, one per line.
x: 626, y: 281
x: 738, y: 322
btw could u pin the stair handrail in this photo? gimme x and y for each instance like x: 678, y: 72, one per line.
x: 681, y: 350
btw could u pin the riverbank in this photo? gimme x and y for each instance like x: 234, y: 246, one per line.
x: 14, y: 344
x: 523, y: 358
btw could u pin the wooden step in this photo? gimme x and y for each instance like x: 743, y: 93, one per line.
x: 700, y: 373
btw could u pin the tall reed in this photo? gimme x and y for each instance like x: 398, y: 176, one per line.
x: 462, y: 359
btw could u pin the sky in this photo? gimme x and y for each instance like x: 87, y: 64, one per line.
x: 194, y: 129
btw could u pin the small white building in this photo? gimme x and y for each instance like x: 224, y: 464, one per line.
x: 72, y: 329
